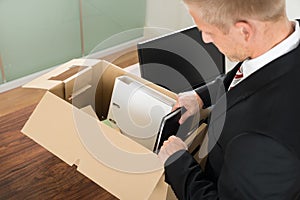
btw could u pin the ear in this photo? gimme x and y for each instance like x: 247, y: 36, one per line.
x: 245, y: 29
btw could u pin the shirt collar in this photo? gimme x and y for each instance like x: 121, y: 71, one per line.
x: 287, y: 45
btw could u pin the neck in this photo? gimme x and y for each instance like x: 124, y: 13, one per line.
x: 270, y: 34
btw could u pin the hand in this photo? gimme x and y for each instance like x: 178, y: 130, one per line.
x: 192, y: 103
x: 170, y: 146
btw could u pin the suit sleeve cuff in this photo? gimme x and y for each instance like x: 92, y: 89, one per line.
x: 175, y: 162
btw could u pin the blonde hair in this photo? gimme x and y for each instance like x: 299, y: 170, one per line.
x: 222, y: 13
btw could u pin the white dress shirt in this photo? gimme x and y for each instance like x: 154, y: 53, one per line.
x: 252, y: 65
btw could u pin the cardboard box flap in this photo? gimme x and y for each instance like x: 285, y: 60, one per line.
x: 114, y: 149
x: 89, y: 110
x: 124, y: 168
x: 160, y: 191
x: 47, y: 82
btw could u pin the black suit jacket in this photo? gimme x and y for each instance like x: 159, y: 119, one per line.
x: 254, y: 138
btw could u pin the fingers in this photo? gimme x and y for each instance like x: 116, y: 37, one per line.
x: 191, y: 102
x: 170, y: 146
x: 163, y: 155
x: 172, y: 138
x: 174, y: 144
x: 177, y: 105
x: 184, y: 117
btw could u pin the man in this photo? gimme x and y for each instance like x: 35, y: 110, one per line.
x: 256, y: 155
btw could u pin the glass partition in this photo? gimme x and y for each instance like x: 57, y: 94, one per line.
x: 103, y: 19
x: 39, y: 34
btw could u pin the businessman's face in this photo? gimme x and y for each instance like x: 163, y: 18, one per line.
x: 231, y: 44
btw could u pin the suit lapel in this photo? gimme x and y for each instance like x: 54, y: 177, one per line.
x: 256, y: 81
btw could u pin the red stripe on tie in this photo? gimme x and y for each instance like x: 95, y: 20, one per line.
x: 238, y: 76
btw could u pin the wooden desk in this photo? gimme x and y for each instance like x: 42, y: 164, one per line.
x: 27, y: 170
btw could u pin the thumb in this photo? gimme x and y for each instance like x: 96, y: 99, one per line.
x: 184, y: 117
x: 177, y: 105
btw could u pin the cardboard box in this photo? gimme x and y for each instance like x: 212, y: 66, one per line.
x: 64, y: 123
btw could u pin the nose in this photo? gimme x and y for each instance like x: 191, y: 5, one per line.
x: 206, y: 38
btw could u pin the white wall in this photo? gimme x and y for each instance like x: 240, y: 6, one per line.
x: 170, y: 14
x: 293, y: 9
x: 293, y: 12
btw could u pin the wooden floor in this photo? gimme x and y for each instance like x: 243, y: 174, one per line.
x: 28, y: 171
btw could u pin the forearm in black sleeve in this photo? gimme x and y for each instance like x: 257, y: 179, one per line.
x: 210, y: 92
x: 187, y: 179
x: 255, y: 167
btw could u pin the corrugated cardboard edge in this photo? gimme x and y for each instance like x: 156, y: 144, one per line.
x: 160, y: 191
x: 43, y: 81
x: 89, y: 110
x: 55, y: 87
x: 69, y: 148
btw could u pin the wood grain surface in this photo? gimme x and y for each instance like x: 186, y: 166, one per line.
x: 27, y: 170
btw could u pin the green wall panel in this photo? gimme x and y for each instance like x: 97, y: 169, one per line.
x: 38, y: 34
x: 103, y: 19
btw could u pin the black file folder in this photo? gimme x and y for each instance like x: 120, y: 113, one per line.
x: 170, y: 126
